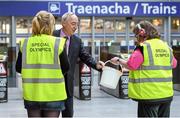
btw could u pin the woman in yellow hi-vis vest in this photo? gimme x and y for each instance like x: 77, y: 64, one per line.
x: 42, y: 61
x: 150, y: 76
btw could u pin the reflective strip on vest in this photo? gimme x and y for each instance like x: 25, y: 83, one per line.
x: 171, y: 56
x: 142, y: 80
x: 43, y: 80
x: 153, y: 67
x: 44, y: 66
x: 150, y: 54
x: 151, y: 61
x: 153, y: 79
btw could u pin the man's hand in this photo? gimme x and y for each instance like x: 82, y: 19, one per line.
x: 100, y: 65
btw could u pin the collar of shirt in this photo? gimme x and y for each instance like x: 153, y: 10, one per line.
x: 62, y: 34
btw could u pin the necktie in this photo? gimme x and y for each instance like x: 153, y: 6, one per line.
x: 67, y: 45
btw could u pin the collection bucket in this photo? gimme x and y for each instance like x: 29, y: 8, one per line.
x: 110, y: 76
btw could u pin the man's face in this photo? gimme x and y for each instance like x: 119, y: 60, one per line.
x: 70, y: 25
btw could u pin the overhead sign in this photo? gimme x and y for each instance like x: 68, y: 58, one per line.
x: 54, y: 7
x: 2, y: 69
x: 90, y: 8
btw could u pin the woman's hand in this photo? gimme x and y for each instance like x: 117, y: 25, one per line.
x: 115, y: 60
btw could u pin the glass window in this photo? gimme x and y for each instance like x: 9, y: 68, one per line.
x: 30, y: 25
x: 123, y: 48
x: 157, y: 22
x: 4, y: 40
x: 58, y: 26
x: 85, y: 31
x: 85, y: 25
x: 120, y: 26
x: 58, y: 23
x: 4, y: 26
x: 175, y: 41
x: 109, y: 26
x: 87, y: 41
x: 22, y: 25
x: 109, y: 32
x: 133, y: 24
x: 3, y: 48
x: 98, y: 25
x: 18, y: 39
x: 4, y: 35
x: 175, y: 24
x: 23, y: 28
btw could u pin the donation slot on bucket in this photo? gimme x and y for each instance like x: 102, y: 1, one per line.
x: 110, y: 76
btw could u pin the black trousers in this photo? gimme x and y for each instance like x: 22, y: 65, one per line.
x: 154, y: 109
x: 69, y: 111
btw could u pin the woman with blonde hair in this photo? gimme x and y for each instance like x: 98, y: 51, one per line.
x: 43, y: 62
x: 150, y: 76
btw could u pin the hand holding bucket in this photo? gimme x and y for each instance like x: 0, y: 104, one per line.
x: 110, y: 76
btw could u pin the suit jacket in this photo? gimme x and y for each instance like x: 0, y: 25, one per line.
x: 76, y: 50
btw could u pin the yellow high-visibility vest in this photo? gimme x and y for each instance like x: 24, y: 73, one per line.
x: 153, y: 79
x: 41, y: 71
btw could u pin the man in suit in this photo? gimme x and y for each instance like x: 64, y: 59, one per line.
x: 75, y: 50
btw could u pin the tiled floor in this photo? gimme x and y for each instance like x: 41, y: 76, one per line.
x: 100, y: 105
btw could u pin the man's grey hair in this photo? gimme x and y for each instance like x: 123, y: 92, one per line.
x: 66, y: 16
